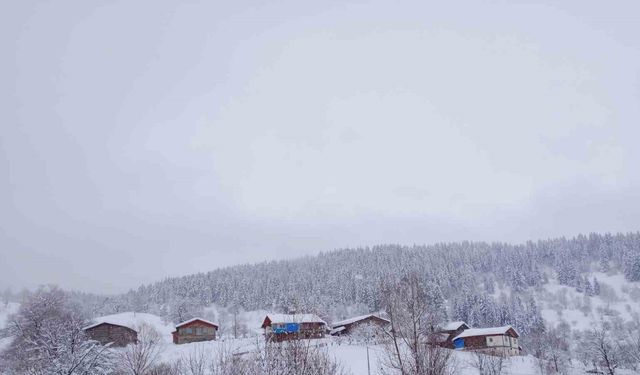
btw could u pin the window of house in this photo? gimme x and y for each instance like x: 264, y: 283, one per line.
x: 490, y: 339
x: 188, y: 331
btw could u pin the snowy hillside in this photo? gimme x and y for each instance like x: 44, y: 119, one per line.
x: 618, y: 297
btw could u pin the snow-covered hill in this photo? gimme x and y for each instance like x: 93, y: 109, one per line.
x: 463, y: 279
x: 575, y: 283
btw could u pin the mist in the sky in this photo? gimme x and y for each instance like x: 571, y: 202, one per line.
x: 141, y: 140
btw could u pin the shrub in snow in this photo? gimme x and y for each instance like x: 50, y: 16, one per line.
x: 300, y: 357
x: 488, y: 364
x: 141, y: 357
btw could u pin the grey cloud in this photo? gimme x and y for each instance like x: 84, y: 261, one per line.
x: 165, y: 138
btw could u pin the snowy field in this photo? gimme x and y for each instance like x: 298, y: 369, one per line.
x: 352, y: 357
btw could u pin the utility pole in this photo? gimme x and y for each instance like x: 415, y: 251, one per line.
x: 368, y: 365
x: 235, y: 323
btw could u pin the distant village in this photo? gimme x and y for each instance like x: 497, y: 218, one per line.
x: 499, y: 341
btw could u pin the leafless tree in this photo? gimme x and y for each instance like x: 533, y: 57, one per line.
x: 603, y: 351
x: 630, y: 349
x: 488, y: 364
x: 410, y: 345
x: 367, y: 333
x: 196, y: 362
x: 227, y: 361
x: 552, y: 351
x: 166, y: 369
x: 141, y: 357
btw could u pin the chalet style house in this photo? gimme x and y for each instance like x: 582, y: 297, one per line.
x: 444, y: 334
x: 194, y: 330
x: 348, y: 326
x: 116, y: 335
x: 283, y: 327
x: 502, y: 341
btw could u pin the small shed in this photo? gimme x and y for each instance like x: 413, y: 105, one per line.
x: 116, y: 335
x: 194, y: 330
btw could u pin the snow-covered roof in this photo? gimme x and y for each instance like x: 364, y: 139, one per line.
x: 131, y: 320
x: 485, y: 332
x: 112, y: 319
x: 337, y: 330
x: 193, y: 320
x: 135, y: 320
x: 295, y: 318
x: 356, y: 319
x: 452, y: 326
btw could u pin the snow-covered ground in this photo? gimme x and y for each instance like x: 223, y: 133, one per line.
x: 352, y: 356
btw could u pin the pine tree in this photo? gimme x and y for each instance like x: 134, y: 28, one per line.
x: 596, y: 287
x: 632, y: 270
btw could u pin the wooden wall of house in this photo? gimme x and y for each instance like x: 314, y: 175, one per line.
x: 475, y: 342
x: 307, y: 331
x: 493, y: 344
x: 110, y: 333
x: 182, y: 337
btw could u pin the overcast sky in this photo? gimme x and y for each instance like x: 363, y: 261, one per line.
x: 141, y: 140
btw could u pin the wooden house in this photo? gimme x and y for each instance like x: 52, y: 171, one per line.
x: 348, y: 326
x: 116, y: 335
x: 194, y: 330
x: 444, y: 334
x: 283, y: 327
x: 501, y: 341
